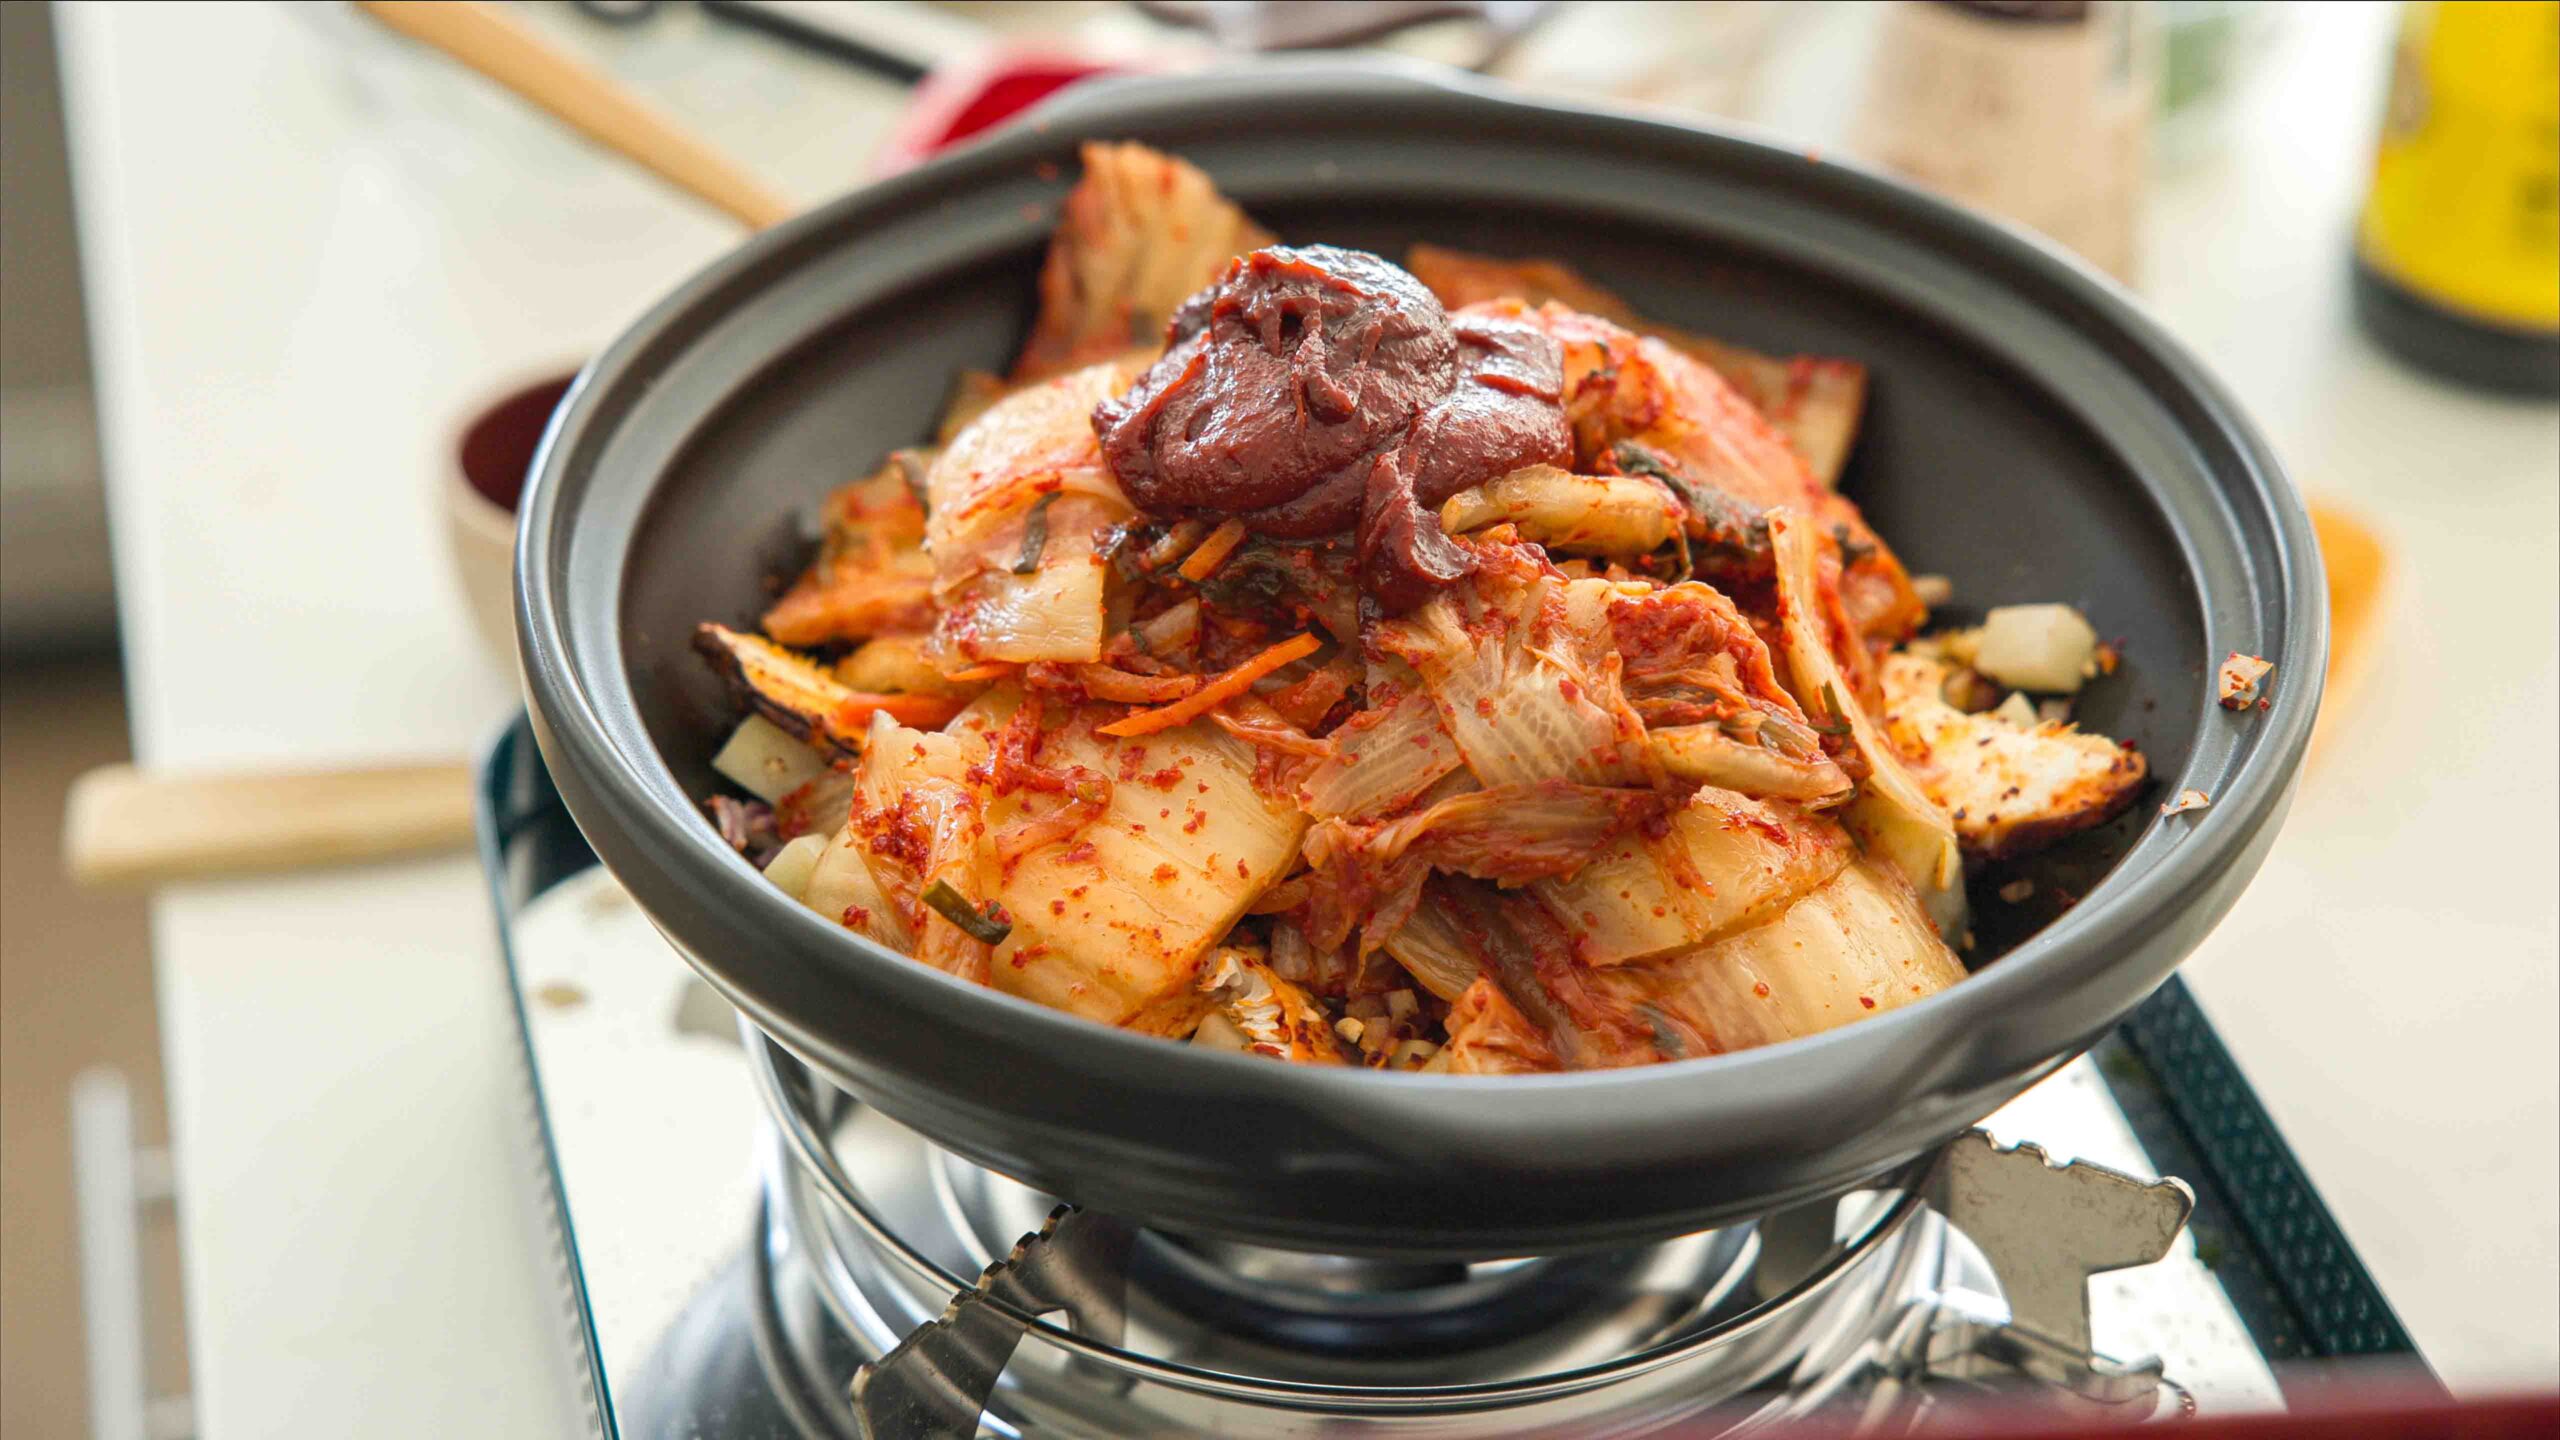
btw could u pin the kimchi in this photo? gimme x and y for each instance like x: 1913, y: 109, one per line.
x: 1438, y: 668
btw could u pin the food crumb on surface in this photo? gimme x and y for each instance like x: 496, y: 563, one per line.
x: 560, y: 995
x: 2236, y: 684
x: 2017, y: 890
x: 2187, y: 800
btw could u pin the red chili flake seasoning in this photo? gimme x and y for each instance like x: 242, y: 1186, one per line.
x: 855, y: 917
x: 1165, y: 874
x: 1760, y: 988
x: 1079, y: 853
x: 1057, y: 907
x: 1484, y: 706
x: 1867, y: 1002
x: 1198, y: 819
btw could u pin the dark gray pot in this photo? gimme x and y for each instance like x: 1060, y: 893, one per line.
x: 2033, y: 435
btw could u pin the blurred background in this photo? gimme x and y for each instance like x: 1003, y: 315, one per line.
x: 260, y: 264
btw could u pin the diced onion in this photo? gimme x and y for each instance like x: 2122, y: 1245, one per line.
x: 1217, y: 1032
x: 2049, y: 649
x: 766, y: 760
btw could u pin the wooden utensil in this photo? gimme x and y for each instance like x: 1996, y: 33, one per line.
x: 123, y: 826
x: 503, y: 48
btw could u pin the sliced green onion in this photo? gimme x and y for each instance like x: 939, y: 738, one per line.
x: 1838, y: 719
x: 1688, y: 563
x: 1851, y: 550
x: 1667, y: 1040
x: 1035, y: 535
x: 953, y: 906
x: 1786, y: 737
x: 1637, y: 459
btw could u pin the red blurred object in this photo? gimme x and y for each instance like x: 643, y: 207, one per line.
x: 2372, y: 1409
x: 959, y: 100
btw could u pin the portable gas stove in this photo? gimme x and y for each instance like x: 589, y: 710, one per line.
x: 745, y: 1251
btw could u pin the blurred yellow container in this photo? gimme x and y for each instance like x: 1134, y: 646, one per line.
x: 2458, y: 249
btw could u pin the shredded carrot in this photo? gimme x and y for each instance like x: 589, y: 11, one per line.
x: 1217, y: 692
x: 852, y: 714
x: 1213, y: 552
x: 1105, y: 683
x: 994, y: 670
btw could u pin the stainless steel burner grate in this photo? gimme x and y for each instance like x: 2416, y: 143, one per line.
x: 926, y: 1297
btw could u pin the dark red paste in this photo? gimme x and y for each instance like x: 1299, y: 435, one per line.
x: 1314, y: 391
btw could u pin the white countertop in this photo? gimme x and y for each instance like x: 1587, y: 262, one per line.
x: 306, y: 251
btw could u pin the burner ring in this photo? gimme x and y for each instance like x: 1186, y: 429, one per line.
x: 798, y: 1104
x: 1417, y: 1311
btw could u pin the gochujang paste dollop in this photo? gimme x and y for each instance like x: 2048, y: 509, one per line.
x: 1316, y: 391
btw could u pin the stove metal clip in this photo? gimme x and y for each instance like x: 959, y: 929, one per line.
x: 2046, y: 1230
x: 936, y: 1383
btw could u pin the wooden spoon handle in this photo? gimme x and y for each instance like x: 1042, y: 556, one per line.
x: 124, y: 826
x: 506, y: 50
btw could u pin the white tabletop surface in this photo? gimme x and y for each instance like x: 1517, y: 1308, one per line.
x: 307, y: 250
